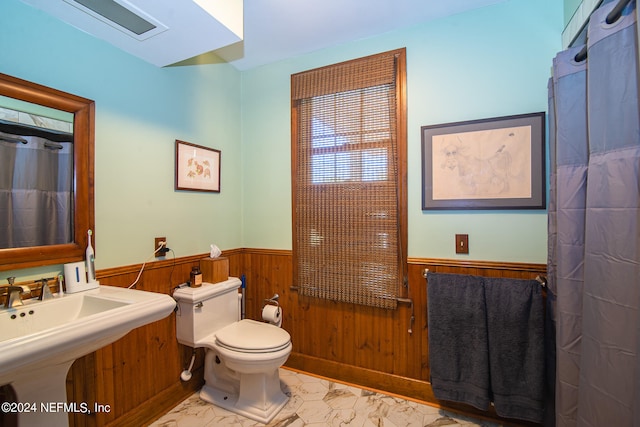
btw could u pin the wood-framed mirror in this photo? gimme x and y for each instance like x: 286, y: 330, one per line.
x: 83, y: 110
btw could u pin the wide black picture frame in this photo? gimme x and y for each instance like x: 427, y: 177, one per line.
x: 494, y: 163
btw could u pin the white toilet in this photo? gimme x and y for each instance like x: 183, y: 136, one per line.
x: 242, y: 357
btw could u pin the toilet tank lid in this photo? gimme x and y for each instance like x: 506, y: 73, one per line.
x: 206, y: 291
x: 251, y: 335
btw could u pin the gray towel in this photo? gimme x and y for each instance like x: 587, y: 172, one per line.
x: 515, y: 325
x: 458, y: 353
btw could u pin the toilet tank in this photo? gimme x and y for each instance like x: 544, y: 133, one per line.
x: 204, y: 310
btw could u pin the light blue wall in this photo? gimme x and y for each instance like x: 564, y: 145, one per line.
x: 140, y: 111
x: 490, y: 62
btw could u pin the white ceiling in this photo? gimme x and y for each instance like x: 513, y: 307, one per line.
x: 279, y: 29
x: 273, y: 29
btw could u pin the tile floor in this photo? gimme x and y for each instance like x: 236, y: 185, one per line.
x: 317, y: 402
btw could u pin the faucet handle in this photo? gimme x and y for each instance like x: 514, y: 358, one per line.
x: 45, y: 291
x: 11, y: 280
x: 22, y: 289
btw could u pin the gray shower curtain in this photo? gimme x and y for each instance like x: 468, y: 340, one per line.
x: 594, y: 226
x: 36, y: 198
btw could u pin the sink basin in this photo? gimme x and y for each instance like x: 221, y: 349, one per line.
x: 37, y: 317
x: 40, y: 340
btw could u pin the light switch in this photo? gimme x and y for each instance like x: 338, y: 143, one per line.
x: 462, y: 243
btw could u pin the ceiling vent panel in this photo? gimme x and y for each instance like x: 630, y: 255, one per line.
x: 159, y: 32
x: 122, y: 16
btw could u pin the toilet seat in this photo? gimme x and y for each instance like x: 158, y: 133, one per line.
x: 249, y: 336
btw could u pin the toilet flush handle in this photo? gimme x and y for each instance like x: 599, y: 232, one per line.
x: 199, y: 305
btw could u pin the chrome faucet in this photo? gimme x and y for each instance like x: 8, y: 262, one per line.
x: 45, y: 291
x: 13, y: 293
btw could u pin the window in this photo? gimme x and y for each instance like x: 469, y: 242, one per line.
x: 349, y: 180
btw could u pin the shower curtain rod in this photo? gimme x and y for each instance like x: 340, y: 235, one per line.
x: 612, y: 17
x: 28, y: 130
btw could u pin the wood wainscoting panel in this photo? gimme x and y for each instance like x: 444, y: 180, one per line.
x: 138, y: 376
x: 363, y: 345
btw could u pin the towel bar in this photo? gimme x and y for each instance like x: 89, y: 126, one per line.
x: 541, y: 279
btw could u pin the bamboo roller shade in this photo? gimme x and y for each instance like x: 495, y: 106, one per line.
x: 346, y: 182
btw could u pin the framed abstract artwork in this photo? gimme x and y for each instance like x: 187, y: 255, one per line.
x: 496, y: 163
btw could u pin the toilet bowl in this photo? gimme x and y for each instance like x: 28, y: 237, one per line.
x: 242, y: 357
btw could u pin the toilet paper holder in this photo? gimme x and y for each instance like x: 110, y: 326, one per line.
x: 273, y: 300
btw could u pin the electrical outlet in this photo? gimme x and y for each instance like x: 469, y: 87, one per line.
x: 156, y: 244
x: 462, y: 243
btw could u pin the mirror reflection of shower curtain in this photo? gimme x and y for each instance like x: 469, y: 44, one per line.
x: 594, y: 226
x: 36, y: 198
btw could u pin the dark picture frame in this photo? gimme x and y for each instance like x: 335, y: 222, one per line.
x: 495, y: 163
x: 197, y: 167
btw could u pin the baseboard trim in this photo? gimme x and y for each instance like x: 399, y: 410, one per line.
x: 393, y: 385
x: 158, y: 405
x: 367, y: 378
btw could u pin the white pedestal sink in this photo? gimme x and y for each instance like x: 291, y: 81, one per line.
x: 40, y: 340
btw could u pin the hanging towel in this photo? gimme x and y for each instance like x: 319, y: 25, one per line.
x: 515, y: 325
x: 458, y: 353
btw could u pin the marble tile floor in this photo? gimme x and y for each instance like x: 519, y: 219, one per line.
x: 318, y: 402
